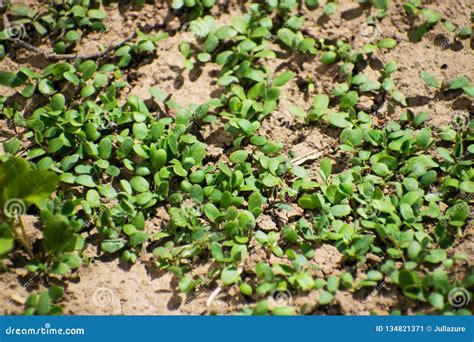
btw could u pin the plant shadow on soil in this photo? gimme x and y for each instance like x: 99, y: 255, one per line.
x: 110, y: 286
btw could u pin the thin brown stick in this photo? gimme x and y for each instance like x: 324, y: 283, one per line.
x: 56, y: 57
x: 311, y: 155
x: 71, y: 56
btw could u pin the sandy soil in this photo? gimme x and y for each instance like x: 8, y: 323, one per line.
x: 108, y: 286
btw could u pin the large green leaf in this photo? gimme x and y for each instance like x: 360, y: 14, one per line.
x: 6, y: 240
x: 58, y: 235
x: 19, y: 181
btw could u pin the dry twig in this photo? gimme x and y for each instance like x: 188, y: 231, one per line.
x: 51, y: 56
x: 71, y: 56
x: 311, y: 155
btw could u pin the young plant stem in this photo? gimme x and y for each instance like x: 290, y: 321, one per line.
x: 22, y: 238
